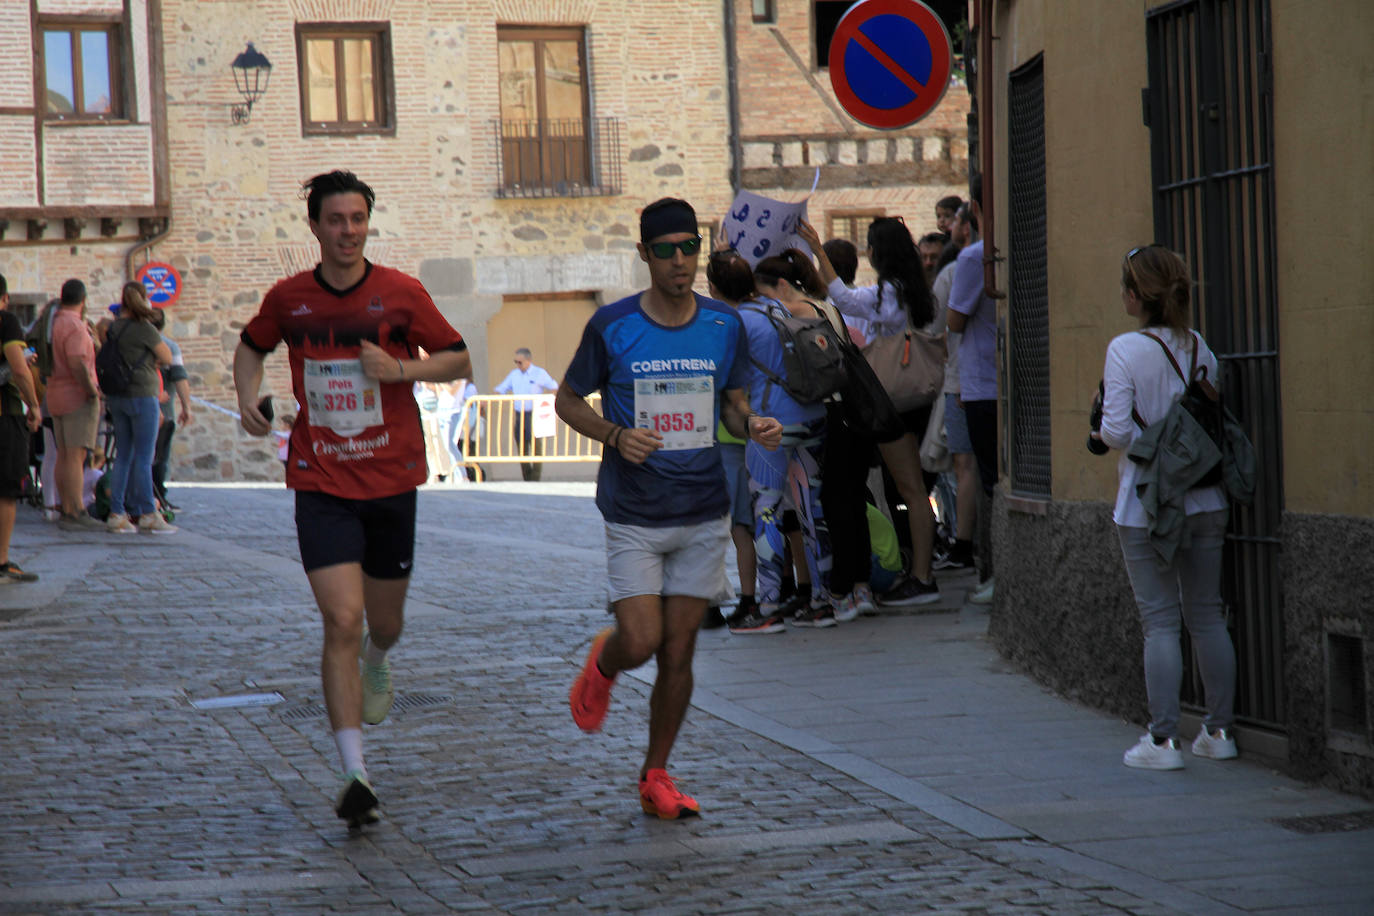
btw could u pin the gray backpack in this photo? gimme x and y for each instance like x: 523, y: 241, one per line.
x: 812, y: 355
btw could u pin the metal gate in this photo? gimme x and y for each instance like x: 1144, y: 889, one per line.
x: 1029, y: 308
x: 1209, y: 107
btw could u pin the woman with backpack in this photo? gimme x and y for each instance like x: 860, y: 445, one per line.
x: 900, y: 299
x: 1141, y: 382
x: 790, y: 475
x: 128, y: 369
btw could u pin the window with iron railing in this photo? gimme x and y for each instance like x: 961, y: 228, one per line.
x: 558, y: 158
x: 548, y: 143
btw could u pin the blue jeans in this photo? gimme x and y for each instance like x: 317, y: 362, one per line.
x: 131, y: 479
x: 1188, y: 590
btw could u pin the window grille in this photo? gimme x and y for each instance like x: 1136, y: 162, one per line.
x: 1028, y: 308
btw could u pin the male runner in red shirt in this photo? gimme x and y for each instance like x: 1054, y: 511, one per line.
x: 357, y: 452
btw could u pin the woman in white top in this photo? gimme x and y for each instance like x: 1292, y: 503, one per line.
x: 1156, y: 289
x: 901, y: 295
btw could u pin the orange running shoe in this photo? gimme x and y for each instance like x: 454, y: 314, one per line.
x: 591, y: 692
x: 658, y: 795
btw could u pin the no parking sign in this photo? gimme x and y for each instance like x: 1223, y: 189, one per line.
x: 162, y: 282
x: 890, y: 62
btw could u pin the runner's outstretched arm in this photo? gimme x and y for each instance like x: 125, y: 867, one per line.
x: 634, y: 445
x: 443, y: 366
x: 741, y: 420
x: 247, y: 380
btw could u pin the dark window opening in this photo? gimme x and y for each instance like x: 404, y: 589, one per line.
x: 1346, y: 701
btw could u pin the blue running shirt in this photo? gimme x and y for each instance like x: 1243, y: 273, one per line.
x: 678, y: 375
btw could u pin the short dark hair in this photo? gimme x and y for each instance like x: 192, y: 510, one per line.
x: 975, y: 189
x: 159, y: 318
x: 844, y: 257
x: 336, y: 182
x: 4, y: 287
x: 933, y: 238
x: 951, y: 203
x: 73, y: 292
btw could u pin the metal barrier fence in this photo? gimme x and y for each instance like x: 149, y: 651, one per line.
x: 491, y: 426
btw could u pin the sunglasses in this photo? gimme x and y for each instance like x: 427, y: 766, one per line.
x: 1130, y: 268
x: 664, y: 250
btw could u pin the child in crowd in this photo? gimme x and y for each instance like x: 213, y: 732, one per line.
x: 95, y: 469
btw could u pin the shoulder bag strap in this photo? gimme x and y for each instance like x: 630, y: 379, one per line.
x: 1135, y: 414
x: 1169, y: 353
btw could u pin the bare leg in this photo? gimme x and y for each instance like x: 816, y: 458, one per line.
x: 345, y: 595
x: 673, y: 687
x: 339, y: 593
x: 903, y: 462
x: 745, y: 560
x: 966, y: 494
x: 649, y: 626
x: 8, y: 509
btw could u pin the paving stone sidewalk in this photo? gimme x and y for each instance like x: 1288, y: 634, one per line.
x: 892, y: 765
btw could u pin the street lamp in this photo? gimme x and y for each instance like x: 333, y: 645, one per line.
x: 251, y: 72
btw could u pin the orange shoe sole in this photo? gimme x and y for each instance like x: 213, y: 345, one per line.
x: 593, y: 722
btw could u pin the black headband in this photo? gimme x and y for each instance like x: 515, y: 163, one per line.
x: 666, y: 217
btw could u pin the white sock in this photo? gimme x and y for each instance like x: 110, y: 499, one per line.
x: 350, y: 743
x: 373, y: 655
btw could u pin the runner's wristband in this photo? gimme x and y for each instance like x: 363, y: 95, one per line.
x: 401, y: 369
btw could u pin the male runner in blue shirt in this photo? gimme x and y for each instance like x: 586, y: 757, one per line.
x: 669, y: 364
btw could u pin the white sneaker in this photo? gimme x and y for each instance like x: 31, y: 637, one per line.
x: 154, y: 523
x: 863, y: 599
x: 983, y: 593
x: 1146, y: 755
x: 120, y: 524
x: 846, y: 608
x: 1221, y: 746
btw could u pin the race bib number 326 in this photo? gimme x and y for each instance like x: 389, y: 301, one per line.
x: 681, y: 410
x: 340, y: 396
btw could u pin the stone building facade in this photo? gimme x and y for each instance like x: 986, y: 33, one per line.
x: 517, y: 232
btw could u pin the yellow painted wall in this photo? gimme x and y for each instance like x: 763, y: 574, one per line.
x: 1098, y: 199
x: 1324, y: 173
x: 549, y: 328
x: 1098, y: 190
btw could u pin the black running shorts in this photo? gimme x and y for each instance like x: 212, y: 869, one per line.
x: 378, y: 533
x: 14, y: 455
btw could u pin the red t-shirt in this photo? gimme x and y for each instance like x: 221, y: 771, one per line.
x: 354, y: 437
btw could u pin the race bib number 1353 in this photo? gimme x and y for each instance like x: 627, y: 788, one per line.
x: 681, y: 410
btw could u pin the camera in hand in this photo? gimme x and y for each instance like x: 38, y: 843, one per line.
x: 1096, y: 445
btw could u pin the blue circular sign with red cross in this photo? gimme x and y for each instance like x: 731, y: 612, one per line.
x: 890, y: 62
x: 162, y: 282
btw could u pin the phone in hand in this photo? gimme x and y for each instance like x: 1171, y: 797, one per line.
x: 265, y: 408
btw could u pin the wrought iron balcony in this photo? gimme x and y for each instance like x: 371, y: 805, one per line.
x: 558, y: 158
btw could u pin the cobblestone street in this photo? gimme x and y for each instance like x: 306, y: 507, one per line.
x: 121, y: 796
